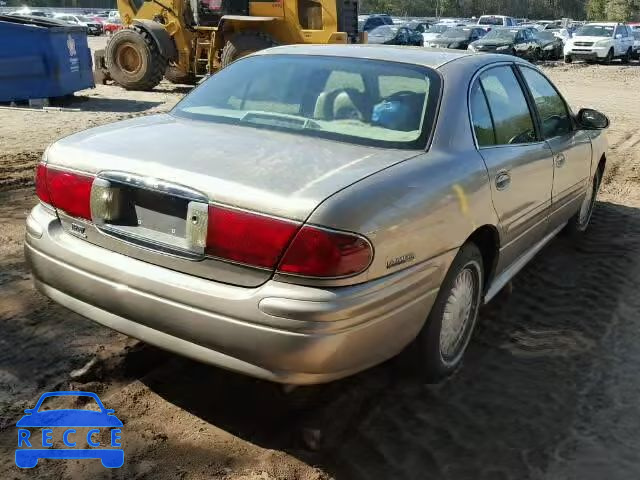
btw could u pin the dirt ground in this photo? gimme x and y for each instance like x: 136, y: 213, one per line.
x: 549, y: 388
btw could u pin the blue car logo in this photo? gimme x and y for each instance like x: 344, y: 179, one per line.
x: 29, y: 452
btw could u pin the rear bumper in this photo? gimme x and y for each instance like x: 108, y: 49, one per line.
x: 278, y: 331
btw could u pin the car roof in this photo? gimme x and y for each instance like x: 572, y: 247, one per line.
x: 432, y: 57
x: 605, y: 24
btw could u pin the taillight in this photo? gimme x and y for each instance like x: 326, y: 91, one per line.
x: 317, y: 252
x: 67, y: 191
x: 246, y: 237
x: 41, y: 183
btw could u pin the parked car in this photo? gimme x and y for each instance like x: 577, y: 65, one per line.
x: 600, y: 42
x: 457, y: 38
x: 301, y: 268
x: 393, y: 35
x: 93, y: 27
x: 366, y: 23
x: 435, y: 31
x: 563, y: 34
x: 519, y: 41
x: 112, y: 26
x: 636, y: 44
x: 25, y: 12
x: 489, y: 22
x: 551, y: 46
x: 418, y: 26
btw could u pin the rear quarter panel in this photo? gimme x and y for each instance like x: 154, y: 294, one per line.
x: 423, y: 208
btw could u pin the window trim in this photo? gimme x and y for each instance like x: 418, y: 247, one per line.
x: 529, y: 94
x: 475, y: 78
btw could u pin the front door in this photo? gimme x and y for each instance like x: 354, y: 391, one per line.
x: 571, y: 147
x: 519, y: 163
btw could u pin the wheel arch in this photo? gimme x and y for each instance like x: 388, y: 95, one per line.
x: 163, y: 40
x: 602, y: 163
x: 487, y: 239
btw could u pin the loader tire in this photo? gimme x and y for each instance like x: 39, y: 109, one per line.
x: 175, y: 75
x: 134, y: 60
x: 242, y: 44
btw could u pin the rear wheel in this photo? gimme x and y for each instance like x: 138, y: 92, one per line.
x: 441, y: 344
x: 242, y: 44
x: 626, y: 58
x: 568, y: 59
x: 134, y: 60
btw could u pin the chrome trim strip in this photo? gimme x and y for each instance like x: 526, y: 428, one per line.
x: 154, y: 185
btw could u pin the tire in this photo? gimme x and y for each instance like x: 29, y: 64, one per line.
x: 242, y: 44
x: 579, y: 223
x: 609, y: 58
x: 626, y: 58
x: 175, y: 75
x: 537, y: 55
x: 134, y: 60
x: 568, y: 59
x: 435, y: 356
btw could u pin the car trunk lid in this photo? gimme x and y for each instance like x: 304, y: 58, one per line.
x: 161, y: 173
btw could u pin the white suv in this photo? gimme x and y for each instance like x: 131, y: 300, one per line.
x: 600, y: 42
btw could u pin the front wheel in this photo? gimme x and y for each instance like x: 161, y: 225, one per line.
x: 579, y: 223
x: 441, y: 344
x: 609, y: 58
x: 134, y: 60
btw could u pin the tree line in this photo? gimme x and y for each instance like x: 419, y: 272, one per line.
x: 613, y: 10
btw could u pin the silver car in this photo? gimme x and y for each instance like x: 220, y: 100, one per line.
x: 310, y: 211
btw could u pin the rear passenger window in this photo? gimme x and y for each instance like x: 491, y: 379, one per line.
x: 481, y: 117
x: 511, y: 115
x: 554, y: 116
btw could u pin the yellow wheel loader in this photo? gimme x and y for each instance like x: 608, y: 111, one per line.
x: 184, y: 40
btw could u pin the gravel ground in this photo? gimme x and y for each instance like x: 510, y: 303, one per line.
x: 549, y: 389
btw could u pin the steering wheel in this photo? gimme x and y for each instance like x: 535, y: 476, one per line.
x: 527, y: 136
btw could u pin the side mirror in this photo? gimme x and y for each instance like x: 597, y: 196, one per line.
x: 618, y: 35
x: 28, y: 410
x: 109, y: 411
x: 590, y: 119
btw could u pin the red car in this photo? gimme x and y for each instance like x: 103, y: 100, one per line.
x: 112, y: 26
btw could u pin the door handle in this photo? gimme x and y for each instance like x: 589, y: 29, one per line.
x: 502, y: 180
x: 560, y: 160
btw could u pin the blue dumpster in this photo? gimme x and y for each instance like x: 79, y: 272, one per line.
x: 42, y: 58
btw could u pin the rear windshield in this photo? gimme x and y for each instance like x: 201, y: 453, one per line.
x: 501, y: 34
x: 354, y: 100
x: 490, y: 21
x: 438, y: 28
x: 457, y: 33
x: 547, y: 36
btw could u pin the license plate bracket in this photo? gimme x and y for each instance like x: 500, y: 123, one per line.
x: 153, y: 214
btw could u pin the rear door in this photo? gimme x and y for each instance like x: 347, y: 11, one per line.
x: 518, y: 161
x: 571, y: 147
